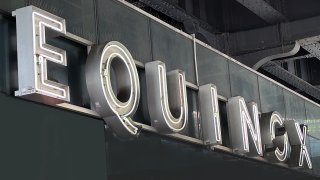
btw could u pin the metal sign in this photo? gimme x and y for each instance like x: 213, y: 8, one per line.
x: 268, y: 136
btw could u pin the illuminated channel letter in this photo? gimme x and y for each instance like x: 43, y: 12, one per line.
x: 298, y: 136
x: 167, y: 98
x: 209, y: 111
x: 113, y: 86
x: 34, y: 53
x: 240, y: 125
x: 274, y: 137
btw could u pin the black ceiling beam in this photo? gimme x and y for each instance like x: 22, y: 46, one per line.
x: 273, y: 36
x: 291, y: 79
x: 264, y: 10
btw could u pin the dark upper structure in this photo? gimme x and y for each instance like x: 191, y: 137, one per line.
x: 279, y: 38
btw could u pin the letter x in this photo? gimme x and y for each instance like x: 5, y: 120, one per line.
x: 303, y: 150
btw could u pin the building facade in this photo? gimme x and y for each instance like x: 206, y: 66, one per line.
x: 43, y: 138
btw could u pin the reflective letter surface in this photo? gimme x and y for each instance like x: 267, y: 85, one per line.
x: 298, y: 136
x: 240, y: 125
x: 276, y: 141
x: 34, y: 52
x: 210, y: 117
x: 167, y: 98
x: 113, y: 85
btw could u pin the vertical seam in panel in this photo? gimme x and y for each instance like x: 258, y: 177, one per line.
x: 284, y: 103
x: 229, y: 74
x: 305, y: 110
x: 95, y: 7
x: 259, y: 94
x: 150, y: 39
x: 197, y: 106
x: 195, y: 59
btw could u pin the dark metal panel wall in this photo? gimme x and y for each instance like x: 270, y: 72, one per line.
x: 213, y: 68
x: 9, y: 6
x: 295, y: 108
x: 271, y: 97
x: 244, y: 83
x: 119, y: 23
x: 8, y: 52
x: 80, y: 15
x: 173, y: 49
x: 154, y: 157
x: 40, y: 142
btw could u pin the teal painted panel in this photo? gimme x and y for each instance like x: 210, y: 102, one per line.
x: 244, y: 83
x: 39, y: 142
x: 213, y: 68
x: 271, y: 97
x: 172, y: 48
